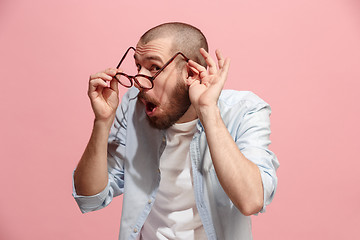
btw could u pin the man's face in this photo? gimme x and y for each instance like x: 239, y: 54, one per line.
x: 169, y: 99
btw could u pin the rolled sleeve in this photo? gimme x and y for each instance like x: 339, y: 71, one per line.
x: 91, y: 203
x: 269, y: 181
x: 254, y: 141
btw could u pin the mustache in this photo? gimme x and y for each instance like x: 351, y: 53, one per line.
x: 146, y: 98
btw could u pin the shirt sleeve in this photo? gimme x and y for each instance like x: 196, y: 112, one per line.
x: 90, y: 203
x: 253, y: 141
x: 115, y: 158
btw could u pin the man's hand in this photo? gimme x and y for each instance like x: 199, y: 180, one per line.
x: 104, y: 99
x: 205, y: 85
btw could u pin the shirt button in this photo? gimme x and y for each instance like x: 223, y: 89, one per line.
x: 135, y: 230
x: 149, y: 202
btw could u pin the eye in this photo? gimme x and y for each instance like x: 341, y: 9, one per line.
x: 154, y: 68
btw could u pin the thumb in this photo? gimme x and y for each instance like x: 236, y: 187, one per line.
x: 190, y: 80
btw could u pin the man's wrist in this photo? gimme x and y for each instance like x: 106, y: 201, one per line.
x: 104, y: 123
x: 209, y: 116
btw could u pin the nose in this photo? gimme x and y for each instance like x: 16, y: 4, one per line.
x: 136, y: 85
x: 143, y: 71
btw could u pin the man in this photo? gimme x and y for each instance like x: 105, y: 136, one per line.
x: 191, y: 159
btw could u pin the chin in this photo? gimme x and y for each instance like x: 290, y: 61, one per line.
x: 161, y: 122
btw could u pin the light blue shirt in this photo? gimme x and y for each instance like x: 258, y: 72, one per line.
x: 134, y: 150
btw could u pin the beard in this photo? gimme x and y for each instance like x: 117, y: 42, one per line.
x: 171, y: 111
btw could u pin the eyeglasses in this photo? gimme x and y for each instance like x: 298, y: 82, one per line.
x: 143, y: 81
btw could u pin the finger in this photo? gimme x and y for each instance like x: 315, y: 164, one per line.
x: 111, y: 71
x: 97, y: 84
x: 225, y: 69
x: 201, y: 72
x: 191, y: 81
x: 209, y: 61
x: 226, y: 65
x: 107, y: 74
x: 114, y: 85
x: 220, y: 58
x: 193, y: 70
x: 194, y: 75
x: 197, y: 67
x: 102, y: 75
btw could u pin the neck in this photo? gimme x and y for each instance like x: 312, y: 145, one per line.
x: 189, y: 115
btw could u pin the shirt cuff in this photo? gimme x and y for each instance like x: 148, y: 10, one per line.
x: 90, y: 203
x: 268, y: 187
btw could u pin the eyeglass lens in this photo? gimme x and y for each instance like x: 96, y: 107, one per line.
x: 125, y: 80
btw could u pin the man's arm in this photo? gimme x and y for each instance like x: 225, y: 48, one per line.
x: 91, y: 175
x: 239, y: 177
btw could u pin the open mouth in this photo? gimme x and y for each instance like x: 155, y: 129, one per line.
x: 150, y: 108
x: 150, y: 104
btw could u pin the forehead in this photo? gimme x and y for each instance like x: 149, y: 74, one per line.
x: 159, y: 47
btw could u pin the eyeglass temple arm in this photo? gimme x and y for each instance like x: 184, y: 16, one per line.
x: 171, y: 59
x: 122, y: 59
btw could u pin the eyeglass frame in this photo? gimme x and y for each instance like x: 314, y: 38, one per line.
x: 150, y: 78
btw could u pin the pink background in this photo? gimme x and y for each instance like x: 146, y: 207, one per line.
x: 301, y: 56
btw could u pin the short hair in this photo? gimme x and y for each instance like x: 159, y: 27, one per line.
x: 186, y: 39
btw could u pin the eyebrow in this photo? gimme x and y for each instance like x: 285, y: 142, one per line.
x: 149, y: 58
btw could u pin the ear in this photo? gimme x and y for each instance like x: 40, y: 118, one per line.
x: 190, y: 73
